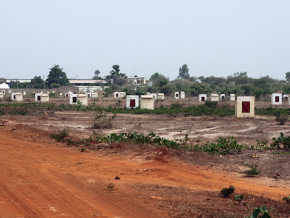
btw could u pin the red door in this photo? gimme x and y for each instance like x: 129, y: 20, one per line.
x: 276, y: 98
x: 132, y: 102
x: 202, y: 98
x: 74, y: 99
x: 245, y: 107
x: 38, y: 98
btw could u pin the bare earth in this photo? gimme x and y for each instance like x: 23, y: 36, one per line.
x: 43, y: 178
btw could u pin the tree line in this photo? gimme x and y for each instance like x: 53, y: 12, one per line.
x: 239, y: 83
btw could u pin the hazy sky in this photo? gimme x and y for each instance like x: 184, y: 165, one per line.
x: 213, y: 37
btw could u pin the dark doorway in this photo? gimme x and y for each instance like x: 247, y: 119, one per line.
x: 245, y: 107
x: 132, y: 103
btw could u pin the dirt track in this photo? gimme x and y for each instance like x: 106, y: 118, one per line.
x: 42, y: 180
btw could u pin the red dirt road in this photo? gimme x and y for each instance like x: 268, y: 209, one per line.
x: 41, y: 180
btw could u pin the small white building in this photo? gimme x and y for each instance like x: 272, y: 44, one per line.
x: 147, y: 102
x: 45, y: 98
x: 117, y: 95
x: 37, y: 96
x: 132, y: 101
x: 176, y: 95
x: 68, y: 94
x: 285, y: 96
x: 232, y: 97
x: 1, y: 95
x: 160, y: 96
x: 4, y: 86
x: 245, y: 107
x: 214, y: 97
x: 154, y: 95
x: 73, y: 99
x: 18, y: 96
x: 13, y: 96
x: 222, y: 97
x: 122, y: 94
x: 95, y: 95
x: 202, y: 97
x: 277, y: 99
x: 182, y: 95
x: 83, y: 98
x: 3, y: 92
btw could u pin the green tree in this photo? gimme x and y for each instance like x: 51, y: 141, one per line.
x: 97, y: 73
x: 119, y: 78
x: 183, y: 72
x: 159, y: 80
x: 288, y: 76
x: 37, y: 82
x: 56, y: 77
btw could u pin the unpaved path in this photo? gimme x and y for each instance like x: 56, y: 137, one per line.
x: 42, y: 180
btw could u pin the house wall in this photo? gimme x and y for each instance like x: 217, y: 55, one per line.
x: 214, y: 97
x: 200, y: 96
x: 83, y: 98
x: 274, y: 96
x: 19, y: 96
x: 160, y: 96
x: 71, y: 98
x: 36, y: 96
x: 176, y: 95
x: 182, y: 95
x: 147, y: 102
x: 239, y: 107
x: 45, y: 98
x: 232, y: 97
x: 129, y: 98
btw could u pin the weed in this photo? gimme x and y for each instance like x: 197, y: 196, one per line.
x: 281, y: 140
x: 239, y: 198
x: 258, y: 210
x: 282, y: 118
x: 100, y: 121
x: 287, y: 199
x: 82, y: 149
x: 253, y: 171
x: 225, y: 192
x: 60, y: 135
x: 111, y: 186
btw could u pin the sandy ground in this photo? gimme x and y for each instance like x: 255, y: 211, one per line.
x: 42, y: 178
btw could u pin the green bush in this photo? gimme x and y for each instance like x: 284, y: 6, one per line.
x: 225, y: 192
x: 59, y: 135
x: 253, y: 171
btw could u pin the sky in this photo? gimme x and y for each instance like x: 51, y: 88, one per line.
x: 213, y: 37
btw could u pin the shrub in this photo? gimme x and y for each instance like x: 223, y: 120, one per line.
x: 111, y: 186
x: 287, y: 199
x: 225, y: 192
x: 285, y: 141
x: 257, y: 211
x: 60, y: 135
x: 253, y: 171
x: 239, y: 198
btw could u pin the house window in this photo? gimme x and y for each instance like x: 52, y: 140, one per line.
x: 277, y: 99
x: 245, y: 107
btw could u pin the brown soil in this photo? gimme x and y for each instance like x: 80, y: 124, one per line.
x: 42, y: 178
